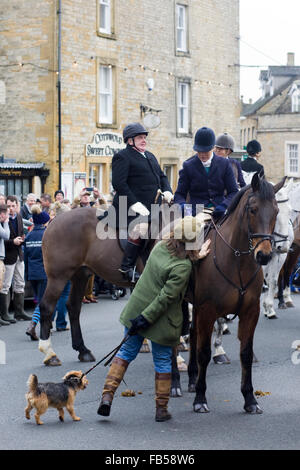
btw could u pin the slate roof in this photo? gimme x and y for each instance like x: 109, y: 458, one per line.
x: 250, y: 109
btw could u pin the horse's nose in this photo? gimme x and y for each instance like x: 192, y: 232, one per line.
x: 263, y: 258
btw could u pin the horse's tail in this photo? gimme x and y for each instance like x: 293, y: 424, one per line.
x: 32, y: 383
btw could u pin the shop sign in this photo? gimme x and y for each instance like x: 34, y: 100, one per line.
x: 105, y: 144
x: 5, y: 172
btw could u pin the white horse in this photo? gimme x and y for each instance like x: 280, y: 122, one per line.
x: 284, y: 236
x: 285, y: 299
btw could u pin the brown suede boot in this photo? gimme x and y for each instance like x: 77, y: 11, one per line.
x: 31, y: 331
x: 113, y: 379
x: 162, y: 394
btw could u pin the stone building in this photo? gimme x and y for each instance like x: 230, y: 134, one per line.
x: 73, y: 73
x: 274, y: 120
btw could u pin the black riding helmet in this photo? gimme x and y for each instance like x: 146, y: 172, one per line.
x: 132, y: 130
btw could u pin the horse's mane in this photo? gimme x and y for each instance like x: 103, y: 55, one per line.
x: 266, y: 193
x: 236, y: 199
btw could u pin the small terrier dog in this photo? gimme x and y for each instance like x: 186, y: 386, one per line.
x: 56, y: 395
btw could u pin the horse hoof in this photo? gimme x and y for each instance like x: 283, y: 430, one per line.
x: 290, y: 305
x: 282, y: 306
x: 52, y: 361
x: 86, y: 356
x: 201, y: 408
x: 175, y: 392
x: 272, y: 316
x: 253, y: 409
x: 221, y: 359
x: 192, y: 388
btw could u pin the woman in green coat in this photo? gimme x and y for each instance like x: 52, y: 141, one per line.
x: 154, y: 312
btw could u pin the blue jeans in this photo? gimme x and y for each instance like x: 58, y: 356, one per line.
x: 61, y: 308
x: 162, y: 355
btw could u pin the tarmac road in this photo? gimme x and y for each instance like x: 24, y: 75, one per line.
x: 131, y: 425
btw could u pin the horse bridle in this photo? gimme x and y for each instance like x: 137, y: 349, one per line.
x: 241, y: 288
x: 251, y: 235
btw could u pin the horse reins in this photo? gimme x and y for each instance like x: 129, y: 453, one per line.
x: 110, y: 355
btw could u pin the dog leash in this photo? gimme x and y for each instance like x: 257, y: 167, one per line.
x: 110, y: 355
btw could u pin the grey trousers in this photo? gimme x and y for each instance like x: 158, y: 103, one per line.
x: 14, y: 275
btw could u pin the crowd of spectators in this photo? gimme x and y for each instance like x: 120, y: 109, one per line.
x: 22, y: 273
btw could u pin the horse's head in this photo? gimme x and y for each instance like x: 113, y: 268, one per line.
x: 261, y: 209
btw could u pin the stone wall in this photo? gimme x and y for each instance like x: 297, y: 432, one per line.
x: 144, y: 35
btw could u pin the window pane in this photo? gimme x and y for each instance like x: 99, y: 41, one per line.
x: 105, y: 97
x: 293, y: 158
x: 3, y: 187
x: 183, y: 107
x: 25, y: 188
x: 105, y: 16
x: 11, y: 187
x: 18, y: 189
x: 181, y: 27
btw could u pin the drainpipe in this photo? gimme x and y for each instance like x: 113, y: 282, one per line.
x: 59, y: 93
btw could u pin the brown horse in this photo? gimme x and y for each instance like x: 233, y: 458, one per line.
x: 229, y: 281
x: 73, y: 249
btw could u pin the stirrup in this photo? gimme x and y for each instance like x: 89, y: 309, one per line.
x: 130, y: 274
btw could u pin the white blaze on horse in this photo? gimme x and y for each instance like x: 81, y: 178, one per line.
x: 283, y: 238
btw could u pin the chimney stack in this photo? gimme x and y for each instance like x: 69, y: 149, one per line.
x: 290, y: 59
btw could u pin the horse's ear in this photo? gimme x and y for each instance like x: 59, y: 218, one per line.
x: 279, y: 185
x: 255, y: 182
x: 289, y: 185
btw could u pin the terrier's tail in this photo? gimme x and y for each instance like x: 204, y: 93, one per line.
x: 32, y: 383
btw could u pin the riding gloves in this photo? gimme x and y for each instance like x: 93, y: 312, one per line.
x: 140, y: 208
x: 138, y: 323
x: 219, y: 212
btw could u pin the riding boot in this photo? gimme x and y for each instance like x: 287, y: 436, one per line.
x: 113, y: 379
x: 128, y: 263
x: 31, y: 331
x: 4, y: 323
x: 4, y: 304
x: 18, y: 304
x: 162, y: 393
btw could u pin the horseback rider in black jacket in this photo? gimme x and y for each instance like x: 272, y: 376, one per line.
x: 137, y: 175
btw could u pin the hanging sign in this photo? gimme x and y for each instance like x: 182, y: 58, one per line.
x: 105, y: 144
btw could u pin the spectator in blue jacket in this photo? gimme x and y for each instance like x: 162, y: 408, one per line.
x: 206, y: 178
x: 34, y: 265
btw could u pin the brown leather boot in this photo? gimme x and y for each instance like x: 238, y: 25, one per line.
x: 113, y: 379
x: 162, y: 393
x: 31, y: 331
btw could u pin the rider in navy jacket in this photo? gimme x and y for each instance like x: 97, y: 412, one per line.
x: 204, y: 187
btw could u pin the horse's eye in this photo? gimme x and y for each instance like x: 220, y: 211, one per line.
x: 253, y: 210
